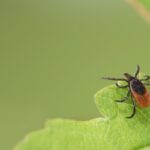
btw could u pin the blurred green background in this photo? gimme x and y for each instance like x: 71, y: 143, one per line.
x: 53, y: 53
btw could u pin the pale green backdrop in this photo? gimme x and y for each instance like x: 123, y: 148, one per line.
x: 53, y: 53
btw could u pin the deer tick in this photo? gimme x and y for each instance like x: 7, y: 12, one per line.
x: 136, y: 89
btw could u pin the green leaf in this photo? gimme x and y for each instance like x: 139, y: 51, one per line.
x: 111, y: 132
x: 145, y: 148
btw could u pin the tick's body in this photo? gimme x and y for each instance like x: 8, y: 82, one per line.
x: 137, y: 90
x: 137, y: 87
x: 140, y: 93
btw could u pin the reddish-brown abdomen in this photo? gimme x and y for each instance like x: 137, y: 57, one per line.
x: 142, y: 100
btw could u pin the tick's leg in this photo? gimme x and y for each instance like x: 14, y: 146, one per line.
x: 137, y: 71
x: 119, y: 86
x: 124, y: 99
x: 114, y: 79
x: 146, y: 78
x: 147, y: 84
x: 134, y: 109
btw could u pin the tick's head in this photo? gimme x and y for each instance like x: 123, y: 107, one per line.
x: 128, y: 76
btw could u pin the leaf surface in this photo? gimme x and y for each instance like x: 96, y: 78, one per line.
x: 110, y: 132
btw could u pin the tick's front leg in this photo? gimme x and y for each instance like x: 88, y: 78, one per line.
x: 124, y: 99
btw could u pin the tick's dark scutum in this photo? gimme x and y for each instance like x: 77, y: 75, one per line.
x: 137, y: 86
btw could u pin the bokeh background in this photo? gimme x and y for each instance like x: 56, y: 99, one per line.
x: 53, y: 53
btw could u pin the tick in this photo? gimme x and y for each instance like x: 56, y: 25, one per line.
x: 136, y: 90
